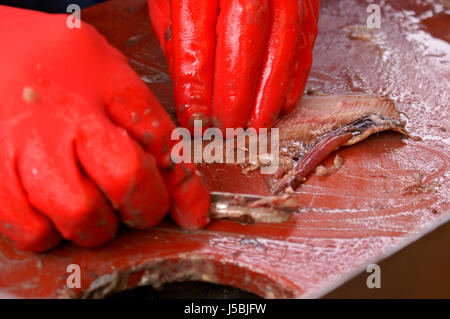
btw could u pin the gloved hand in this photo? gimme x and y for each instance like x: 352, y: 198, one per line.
x: 236, y: 63
x: 82, y: 137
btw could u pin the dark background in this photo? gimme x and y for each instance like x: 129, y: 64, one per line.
x: 49, y: 5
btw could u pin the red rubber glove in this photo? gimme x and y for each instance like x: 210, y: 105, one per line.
x: 236, y: 63
x: 69, y: 104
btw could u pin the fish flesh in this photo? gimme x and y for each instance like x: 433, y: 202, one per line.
x: 323, y: 123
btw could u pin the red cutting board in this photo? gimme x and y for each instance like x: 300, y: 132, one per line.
x: 347, y: 220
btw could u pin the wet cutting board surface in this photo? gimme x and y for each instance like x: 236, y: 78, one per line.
x: 375, y: 204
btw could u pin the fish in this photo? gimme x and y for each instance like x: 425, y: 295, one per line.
x: 252, y: 209
x: 321, y: 124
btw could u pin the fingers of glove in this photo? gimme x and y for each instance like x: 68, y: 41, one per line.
x: 311, y: 20
x: 159, y: 11
x: 302, y: 67
x: 189, y: 195
x: 315, y: 5
x: 278, y: 65
x: 55, y: 186
x: 19, y: 222
x: 194, y: 36
x: 126, y: 174
x: 160, y: 18
x: 133, y: 106
x: 242, y: 35
x: 303, y: 61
